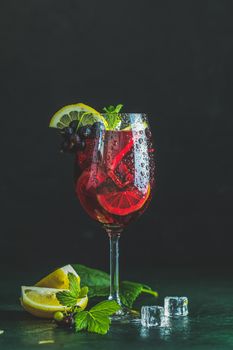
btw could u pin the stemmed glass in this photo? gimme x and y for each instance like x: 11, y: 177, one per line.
x: 114, y: 177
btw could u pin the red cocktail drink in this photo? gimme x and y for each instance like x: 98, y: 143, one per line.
x: 114, y: 175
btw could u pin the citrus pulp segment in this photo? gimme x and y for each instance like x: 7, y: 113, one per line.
x: 123, y: 202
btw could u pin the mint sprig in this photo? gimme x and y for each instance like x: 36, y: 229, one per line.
x: 96, y: 320
x: 112, y: 116
x: 69, y: 297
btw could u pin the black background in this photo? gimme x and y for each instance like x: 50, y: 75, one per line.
x: 171, y: 59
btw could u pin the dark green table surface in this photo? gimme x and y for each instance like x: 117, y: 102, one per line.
x: 209, y: 325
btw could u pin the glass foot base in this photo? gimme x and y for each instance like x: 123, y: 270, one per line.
x: 126, y: 315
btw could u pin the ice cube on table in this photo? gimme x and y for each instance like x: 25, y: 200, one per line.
x: 175, y: 306
x: 152, y: 316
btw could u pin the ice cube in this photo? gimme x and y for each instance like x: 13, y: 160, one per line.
x: 152, y: 316
x: 175, y: 306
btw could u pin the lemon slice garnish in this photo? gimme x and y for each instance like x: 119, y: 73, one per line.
x: 80, y: 112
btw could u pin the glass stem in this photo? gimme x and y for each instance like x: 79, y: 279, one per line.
x: 114, y: 236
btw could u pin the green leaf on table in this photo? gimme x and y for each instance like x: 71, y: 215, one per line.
x: 98, y: 323
x: 81, y: 320
x: 96, y: 320
x: 108, y: 307
x: 92, y: 277
x: 98, y: 283
x: 130, y: 291
x: 98, y: 291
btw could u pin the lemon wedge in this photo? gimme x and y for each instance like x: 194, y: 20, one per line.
x: 58, y: 278
x: 42, y: 302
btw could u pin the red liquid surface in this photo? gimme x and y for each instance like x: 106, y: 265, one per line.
x: 114, y: 176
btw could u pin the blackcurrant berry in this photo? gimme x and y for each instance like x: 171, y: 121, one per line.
x: 68, y: 321
x: 84, y: 131
x: 75, y: 139
x: 87, y: 132
x: 97, y: 128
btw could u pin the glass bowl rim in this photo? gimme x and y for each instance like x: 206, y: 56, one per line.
x: 125, y: 113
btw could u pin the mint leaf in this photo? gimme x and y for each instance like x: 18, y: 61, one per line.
x: 109, y: 109
x: 73, y: 284
x: 96, y: 320
x: 66, y: 298
x: 112, y: 117
x: 118, y: 108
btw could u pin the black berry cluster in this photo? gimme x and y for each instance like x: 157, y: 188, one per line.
x: 74, y: 140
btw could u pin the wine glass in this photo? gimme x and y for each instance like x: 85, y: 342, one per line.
x: 114, y: 177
